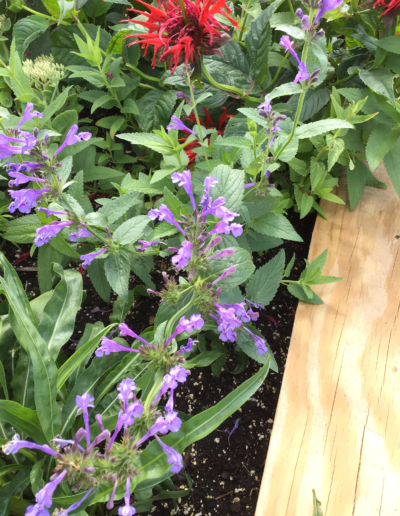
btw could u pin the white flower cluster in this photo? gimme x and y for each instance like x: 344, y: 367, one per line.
x: 44, y: 71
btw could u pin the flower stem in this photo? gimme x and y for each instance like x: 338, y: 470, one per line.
x: 183, y: 11
x: 198, y: 123
x: 277, y: 72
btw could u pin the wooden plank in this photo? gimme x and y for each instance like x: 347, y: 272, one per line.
x: 337, y: 427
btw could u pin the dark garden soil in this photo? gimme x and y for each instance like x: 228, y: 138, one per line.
x: 226, y: 472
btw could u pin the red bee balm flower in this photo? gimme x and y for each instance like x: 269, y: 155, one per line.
x: 170, y: 35
x: 394, y: 4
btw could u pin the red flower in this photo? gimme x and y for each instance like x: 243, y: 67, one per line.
x: 391, y: 5
x: 170, y: 35
x: 209, y: 124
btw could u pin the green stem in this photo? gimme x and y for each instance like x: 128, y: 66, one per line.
x: 141, y: 74
x: 340, y: 81
x: 198, y: 123
x: 291, y: 6
x: 178, y: 315
x: 183, y: 11
x: 244, y: 21
x: 51, y: 18
x: 146, y: 86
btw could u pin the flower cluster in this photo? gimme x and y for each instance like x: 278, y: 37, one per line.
x: 230, y: 317
x: 84, y: 468
x: 194, y: 250
x: 263, y: 186
x: 44, y: 71
x: 49, y: 231
x: 148, y: 350
x: 19, y: 142
x: 183, y: 28
x: 272, y: 117
x: 289, y: 45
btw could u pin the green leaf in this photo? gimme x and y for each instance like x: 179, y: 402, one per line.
x: 16, y: 486
x: 258, y: 40
x: 99, y: 173
x: 116, y: 208
x: 131, y: 230
x: 284, y: 90
x: 275, y: 225
x: 391, y: 44
x: 117, y: 268
x: 244, y: 269
x: 379, y: 143
x: 58, y: 320
x: 28, y: 29
x: 307, y: 202
x: 3, y: 381
x: 22, y: 382
x: 36, y: 476
x: 63, y: 247
x: 238, y: 142
x: 379, y: 80
x: 356, y: 182
x: 46, y: 256
x: 296, y: 290
x: 152, y: 141
x: 104, y: 99
x: 153, y: 462
x: 156, y: 108
x: 246, y: 343
x: 57, y: 104
x: 230, y: 185
x: 264, y: 284
x: 392, y: 164
x: 10, y: 468
x: 65, y: 7
x: 80, y: 356
x: 23, y: 419
x: 98, y: 278
x: 203, y: 359
x: 62, y: 122
x: 314, y: 101
x: 141, y: 265
x: 321, y: 127
x: 44, y: 369
x: 71, y: 150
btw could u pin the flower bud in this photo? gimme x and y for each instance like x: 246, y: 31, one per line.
x: 299, y: 13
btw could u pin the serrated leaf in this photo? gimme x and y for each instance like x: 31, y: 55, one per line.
x: 131, y: 230
x: 391, y: 44
x: 314, y: 101
x: 379, y: 143
x: 117, y: 269
x: 104, y: 99
x: 392, y: 164
x: 306, y: 204
x: 322, y: 126
x: 27, y: 30
x: 335, y: 150
x: 264, y: 284
x: 296, y: 290
x: 275, y: 225
x: 244, y: 269
x: 116, y: 208
x: 234, y: 141
x: 99, y: 280
x: 379, y: 80
x: 230, y: 186
x: 156, y: 108
x: 258, y: 40
x: 152, y: 141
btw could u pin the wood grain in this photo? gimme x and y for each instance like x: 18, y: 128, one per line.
x: 337, y: 427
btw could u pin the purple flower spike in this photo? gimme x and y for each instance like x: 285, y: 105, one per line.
x: 61, y: 443
x: 327, y: 5
x: 43, y: 497
x: 248, y: 185
x: 229, y: 270
x: 125, y: 330
x: 176, y: 375
x: 127, y: 509
x: 88, y: 258
x: 25, y: 200
x: 26, y: 166
x: 288, y: 45
x: 146, y: 245
x: 135, y: 409
x: 173, y: 456
x: 20, y: 179
x: 51, y: 212
x: 110, y: 503
x: 83, y: 403
x: 164, y: 213
x: 125, y: 389
x: 266, y: 106
x: 28, y: 114
x: 185, y: 179
x: 46, y: 233
x: 302, y: 74
x: 209, y: 182
x: 16, y: 444
x: 108, y: 346
x: 178, y: 124
x: 181, y: 259
x: 72, y: 138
